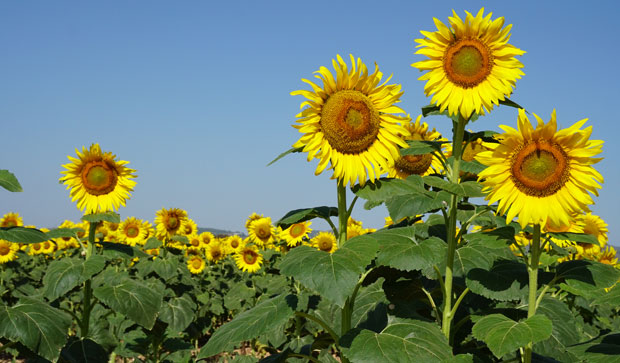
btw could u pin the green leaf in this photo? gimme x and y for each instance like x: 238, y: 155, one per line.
x: 461, y: 358
x: 84, y: 351
x: 508, y: 102
x: 332, y: 275
x: 22, y: 235
x: 370, y: 309
x: 421, y: 147
x: 265, y: 316
x: 38, y: 326
x: 289, y: 151
x: 564, y: 332
x: 465, y: 189
x: 166, y: 268
x: 178, y: 313
x: 603, y: 349
x: 111, y: 217
x: 152, y: 243
x: 504, y: 335
x: 587, y: 275
x: 9, y: 182
x: 498, y: 238
x: 63, y: 232
x: 402, y: 206
x: 473, y: 166
x: 385, y: 188
x: 306, y: 214
x: 506, y: 280
x: 64, y: 274
x: 402, y: 249
x: 114, y: 250
x: 134, y: 299
x: 433, y: 110
x: 403, y: 340
x: 610, y: 297
x: 575, y: 237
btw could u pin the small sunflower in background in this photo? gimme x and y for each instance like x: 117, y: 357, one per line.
x: 206, y: 238
x: 98, y: 182
x: 132, y: 231
x: 188, y: 228
x: 195, y: 264
x: 11, y: 220
x: 295, y: 233
x: 595, y: 226
x: 234, y: 244
x: 194, y: 242
x: 471, y: 66
x: 215, y: 251
x: 262, y: 232
x: 169, y: 222
x: 541, y: 174
x: 324, y: 241
x: 254, y: 216
x: 248, y: 259
x: 351, y: 122
x: 425, y: 164
x: 8, y: 251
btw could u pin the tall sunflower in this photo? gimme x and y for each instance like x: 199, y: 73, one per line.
x: 350, y: 122
x: 424, y: 164
x: 98, y: 181
x: 540, y: 174
x: 471, y: 66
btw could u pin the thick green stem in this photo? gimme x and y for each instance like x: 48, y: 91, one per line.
x: 342, y: 214
x: 452, y: 241
x: 532, y: 271
x: 88, y: 291
x: 317, y: 320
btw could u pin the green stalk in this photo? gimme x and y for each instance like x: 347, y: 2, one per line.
x: 532, y: 271
x: 452, y: 241
x: 342, y: 214
x: 88, y: 291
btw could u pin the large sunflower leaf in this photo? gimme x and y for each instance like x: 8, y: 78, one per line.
x: 305, y: 214
x: 403, y: 340
x: 65, y: 274
x: 564, y: 331
x: 132, y: 298
x: 472, y: 166
x: 421, y: 147
x: 9, y: 182
x: 86, y: 351
x: 114, y: 250
x: 464, y: 189
x: 603, y: 349
x: 111, y: 217
x: 370, y: 309
x: 262, y: 318
x: 332, y: 275
x: 38, y: 326
x: 22, y: 235
x: 587, y: 275
x: 611, y: 297
x: 383, y: 189
x: 505, y: 280
x: 575, y: 237
x: 504, y: 335
x: 178, y: 313
x: 166, y: 268
x: 402, y: 206
x: 63, y: 232
x: 402, y: 249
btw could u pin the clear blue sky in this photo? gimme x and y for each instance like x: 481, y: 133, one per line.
x: 195, y: 94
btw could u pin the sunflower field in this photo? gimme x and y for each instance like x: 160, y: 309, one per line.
x: 489, y: 253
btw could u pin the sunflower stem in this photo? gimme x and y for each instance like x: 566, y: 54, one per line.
x: 457, y: 146
x: 532, y: 271
x: 342, y: 214
x: 88, y: 291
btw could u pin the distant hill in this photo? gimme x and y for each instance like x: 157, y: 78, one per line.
x: 216, y: 231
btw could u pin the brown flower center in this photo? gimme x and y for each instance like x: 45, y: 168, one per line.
x: 540, y: 168
x: 350, y: 122
x: 132, y: 231
x: 414, y: 164
x: 297, y: 230
x: 99, y: 178
x: 250, y: 257
x: 196, y: 263
x: 325, y: 244
x: 4, y: 249
x: 467, y: 62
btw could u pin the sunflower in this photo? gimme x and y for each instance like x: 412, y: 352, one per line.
x: 248, y: 259
x: 132, y: 231
x: 294, y: 234
x: 254, y: 216
x: 595, y: 226
x: 169, y: 222
x: 150, y: 231
x: 195, y: 264
x: 424, y: 164
x: 97, y: 181
x: 541, y: 174
x: 471, y: 66
x: 11, y: 220
x: 261, y: 231
x: 188, y: 228
x: 350, y: 122
x: 215, y: 251
x: 68, y: 242
x: 234, y: 243
x: 195, y: 241
x: 206, y: 238
x: 324, y: 241
x: 8, y: 251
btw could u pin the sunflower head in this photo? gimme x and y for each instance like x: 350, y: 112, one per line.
x: 470, y: 65
x: 8, y: 251
x: 169, y: 222
x: 294, y: 234
x: 262, y: 232
x: 98, y: 182
x: 195, y: 264
x: 248, y: 259
x: 11, y: 220
x: 540, y: 174
x: 325, y: 241
x: 351, y: 122
x: 132, y: 231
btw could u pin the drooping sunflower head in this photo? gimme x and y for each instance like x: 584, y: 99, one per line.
x: 541, y: 174
x: 351, y: 122
x: 294, y: 234
x: 424, y: 164
x: 132, y: 231
x: 471, y: 66
x: 98, y: 182
x: 325, y: 241
x: 11, y: 220
x: 169, y: 222
x: 195, y: 264
x: 262, y: 232
x: 8, y: 251
x: 248, y: 259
